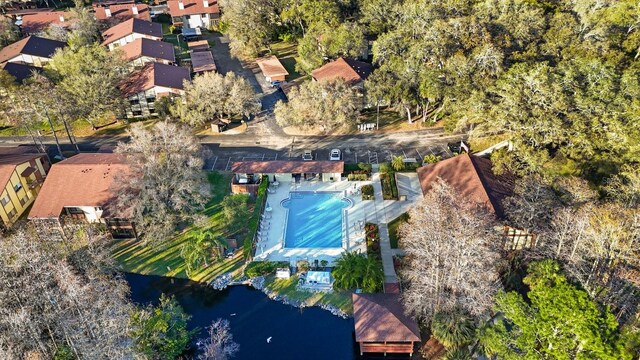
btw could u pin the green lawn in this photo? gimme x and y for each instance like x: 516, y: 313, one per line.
x: 393, y: 229
x: 287, y: 287
x: 79, y: 128
x: 287, y: 53
x: 164, y: 259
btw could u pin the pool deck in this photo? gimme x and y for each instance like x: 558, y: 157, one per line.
x: 270, y: 245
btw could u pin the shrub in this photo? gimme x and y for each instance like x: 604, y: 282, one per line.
x: 431, y: 159
x: 302, y: 265
x: 365, y: 167
x: 367, y: 192
x: 385, y: 167
x: 357, y: 177
x: 262, y: 268
x: 397, y: 163
x: 389, y: 188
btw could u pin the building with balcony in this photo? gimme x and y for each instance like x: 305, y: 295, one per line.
x: 143, y: 87
x: 194, y: 13
x: 82, y: 188
x: 31, y: 51
x: 21, y: 177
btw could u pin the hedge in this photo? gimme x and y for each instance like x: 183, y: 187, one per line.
x: 252, y: 225
x: 389, y: 188
x: 262, y: 268
x: 367, y: 192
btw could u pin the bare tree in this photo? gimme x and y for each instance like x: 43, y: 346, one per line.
x: 169, y: 185
x: 451, y: 247
x: 61, y: 298
x: 219, y: 345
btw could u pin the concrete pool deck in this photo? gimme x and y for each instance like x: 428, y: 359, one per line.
x: 271, y: 237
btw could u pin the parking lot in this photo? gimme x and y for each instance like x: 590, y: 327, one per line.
x: 221, y: 159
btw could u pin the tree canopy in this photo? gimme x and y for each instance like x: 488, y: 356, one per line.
x: 556, y: 321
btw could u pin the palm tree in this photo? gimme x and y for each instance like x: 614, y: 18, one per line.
x: 453, y: 329
x: 397, y: 163
x: 353, y: 270
x: 199, y: 247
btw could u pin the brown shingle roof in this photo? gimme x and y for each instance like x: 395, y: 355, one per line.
x: 202, y: 61
x: 380, y: 317
x: 82, y: 180
x: 34, y: 23
x: 287, y: 167
x: 271, y: 66
x: 352, y: 71
x: 132, y: 26
x: 8, y: 164
x: 192, y: 7
x: 150, y: 48
x: 155, y: 74
x: 472, y: 177
x: 123, y: 12
x: 31, y: 45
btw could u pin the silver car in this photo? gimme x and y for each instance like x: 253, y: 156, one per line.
x: 335, y: 154
x: 307, y: 155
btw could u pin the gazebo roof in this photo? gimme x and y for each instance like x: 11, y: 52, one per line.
x: 380, y: 317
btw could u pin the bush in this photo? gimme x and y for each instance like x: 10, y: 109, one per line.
x: 357, y: 177
x: 367, y: 192
x: 365, y: 167
x: 389, y: 188
x: 263, y: 268
x: 385, y: 167
x: 431, y: 159
x: 302, y: 266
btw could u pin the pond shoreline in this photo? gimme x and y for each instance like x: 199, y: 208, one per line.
x: 258, y: 283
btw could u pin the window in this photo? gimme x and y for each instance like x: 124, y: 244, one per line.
x: 23, y: 200
x: 134, y: 101
x: 12, y: 213
x: 151, y: 100
x: 4, y: 200
x: 137, y: 112
x: 74, y: 210
x: 17, y: 187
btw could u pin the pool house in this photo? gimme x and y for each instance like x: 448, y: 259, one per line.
x: 247, y: 175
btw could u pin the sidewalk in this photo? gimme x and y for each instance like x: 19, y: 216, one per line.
x: 390, y: 276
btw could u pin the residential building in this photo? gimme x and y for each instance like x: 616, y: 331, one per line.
x: 272, y: 69
x: 117, y: 13
x: 247, y: 175
x: 34, y: 23
x: 154, y: 80
x: 194, y: 13
x: 381, y: 325
x: 142, y: 51
x: 472, y: 178
x: 82, y: 188
x: 21, y: 177
x: 32, y: 50
x: 130, y: 30
x: 352, y: 71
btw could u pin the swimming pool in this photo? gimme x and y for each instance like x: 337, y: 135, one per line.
x: 314, y: 219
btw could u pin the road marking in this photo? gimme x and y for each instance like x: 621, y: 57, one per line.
x: 419, y: 156
x: 214, y: 163
x: 227, y: 167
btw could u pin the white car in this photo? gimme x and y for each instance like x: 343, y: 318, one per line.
x: 307, y: 155
x: 335, y: 154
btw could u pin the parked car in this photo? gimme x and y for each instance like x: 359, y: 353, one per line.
x: 307, y: 155
x: 276, y: 84
x: 335, y: 154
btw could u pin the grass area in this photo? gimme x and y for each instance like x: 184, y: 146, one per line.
x: 164, y: 259
x: 287, y: 287
x: 79, y: 128
x: 393, y: 229
x: 286, y: 53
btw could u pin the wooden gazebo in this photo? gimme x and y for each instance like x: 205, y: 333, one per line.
x: 381, y: 325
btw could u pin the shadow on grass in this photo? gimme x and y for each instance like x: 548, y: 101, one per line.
x: 164, y: 258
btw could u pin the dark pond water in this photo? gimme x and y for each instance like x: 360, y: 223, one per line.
x: 297, y: 334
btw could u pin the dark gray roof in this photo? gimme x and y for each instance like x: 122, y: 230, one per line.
x: 147, y: 28
x: 171, y: 76
x: 20, y: 71
x: 158, y: 49
x: 32, y: 45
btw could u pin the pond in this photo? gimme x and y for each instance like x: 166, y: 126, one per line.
x: 309, y: 333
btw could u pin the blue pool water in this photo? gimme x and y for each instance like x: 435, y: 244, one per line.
x: 314, y: 220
